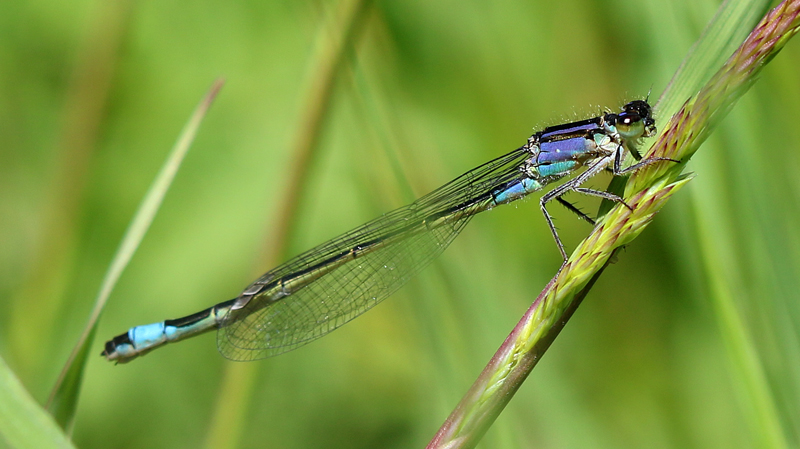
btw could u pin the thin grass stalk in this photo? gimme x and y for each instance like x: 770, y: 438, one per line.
x: 63, y: 399
x: 646, y: 193
x: 233, y: 400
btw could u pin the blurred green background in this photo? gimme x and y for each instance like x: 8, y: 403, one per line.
x: 93, y: 95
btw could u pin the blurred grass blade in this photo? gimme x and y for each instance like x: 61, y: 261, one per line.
x: 748, y: 370
x: 64, y: 396
x: 23, y: 423
x: 81, y: 118
x: 646, y: 193
x: 334, y: 42
x: 731, y: 23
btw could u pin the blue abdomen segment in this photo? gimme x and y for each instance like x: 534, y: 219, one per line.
x: 150, y: 334
x: 515, y: 190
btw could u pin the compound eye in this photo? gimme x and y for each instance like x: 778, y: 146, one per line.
x: 630, y: 126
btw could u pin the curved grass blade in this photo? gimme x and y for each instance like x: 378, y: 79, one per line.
x: 63, y: 399
x: 23, y: 422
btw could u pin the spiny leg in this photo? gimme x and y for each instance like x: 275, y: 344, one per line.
x: 618, y: 170
x: 542, y: 204
x: 643, y: 163
x: 564, y: 188
x: 603, y: 194
x: 575, y: 210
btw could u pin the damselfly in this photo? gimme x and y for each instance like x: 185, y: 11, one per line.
x: 327, y: 286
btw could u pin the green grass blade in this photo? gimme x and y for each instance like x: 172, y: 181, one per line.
x: 64, y: 396
x: 23, y: 423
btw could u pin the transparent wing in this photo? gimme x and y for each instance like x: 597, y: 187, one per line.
x: 327, y: 286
